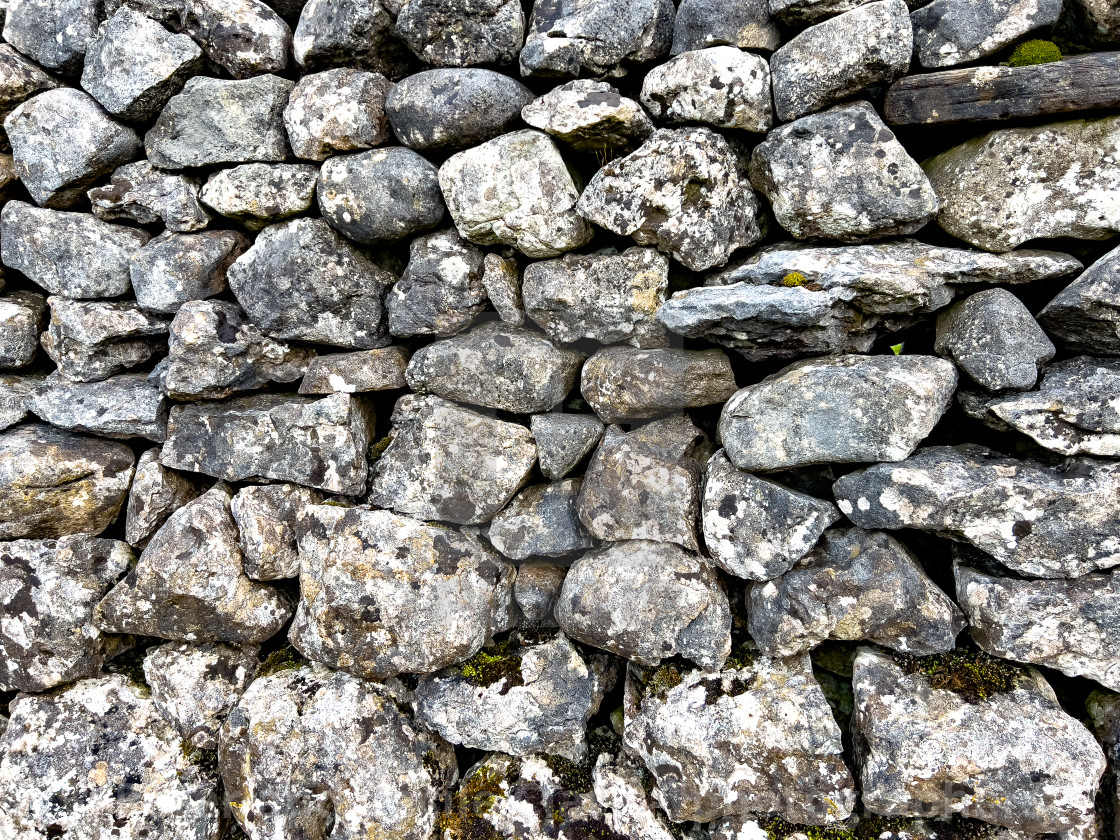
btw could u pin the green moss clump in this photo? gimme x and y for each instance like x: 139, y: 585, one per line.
x: 493, y: 664
x: 742, y: 656
x: 282, y: 659
x: 662, y: 679
x: 475, y: 797
x: 1034, y: 51
x: 376, y: 450
x: 794, y: 279
x: 592, y: 830
x: 969, y: 672
x: 574, y: 777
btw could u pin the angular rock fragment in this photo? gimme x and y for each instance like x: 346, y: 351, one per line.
x: 952, y: 32
x: 621, y: 787
x: 221, y: 121
x: 1085, y: 315
x: 461, y: 33
x: 189, y: 585
x: 756, y: 737
x: 196, y: 685
x: 647, y: 601
x: 450, y: 463
x: 683, y: 191
x: 808, y: 12
x: 266, y: 518
x: 175, y: 268
x: 245, y: 37
x: 590, y: 116
x: 720, y: 86
x: 563, y: 440
x: 623, y: 383
x: 350, y: 33
x: 1014, y: 758
x: 1035, y: 520
x: 502, y: 282
x: 384, y: 594
x: 541, y: 521
x: 15, y: 391
x: 356, y: 373
x: 54, y: 483
x: 20, y: 79
x: 139, y: 193
x: 441, y: 290
x: 710, y: 23
x: 837, y: 410
x: 49, y: 591
x: 380, y: 196
x: 496, y: 366
x: 125, y: 406
x: 318, y: 443
x: 536, y: 591
x: 754, y: 528
x: 515, y: 190
x: 53, y: 33
x: 347, y: 312
x: 93, y: 340
x: 258, y: 194
x: 1099, y: 19
x: 21, y: 320
x: 337, y: 110
x: 155, y: 494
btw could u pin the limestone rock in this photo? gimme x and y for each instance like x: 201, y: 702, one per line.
x: 356, y: 373
x: 266, y: 517
x: 125, y: 406
x: 720, y: 86
x: 20, y: 79
x: 461, y: 33
x: 22, y: 315
x: 338, y: 110
x: 245, y: 37
x: 176, y: 268
x: 536, y: 591
x: 258, y: 194
x: 54, y: 33
x: 1099, y: 19
x: 93, y: 340
x: 590, y: 116
x: 808, y: 12
x: 563, y: 440
x: 139, y: 193
x: 441, y: 290
x: 541, y: 521
x: 15, y: 391
x: 1085, y: 315
x: 710, y: 23
x: 952, y: 32
x: 502, y: 282
x: 350, y: 33
x: 155, y: 494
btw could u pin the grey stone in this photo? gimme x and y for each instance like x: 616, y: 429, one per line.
x: 50, y: 589
x: 759, y: 737
x: 195, y: 686
x: 450, y: 463
x: 124, y: 406
x: 808, y: 12
x: 1068, y: 625
x: 451, y: 109
x: 97, y: 757
x: 1085, y: 316
x: 460, y: 33
x: 134, y: 65
x: 841, y: 409
x: 22, y: 316
x: 754, y: 528
x: 350, y: 33
x: 338, y: 110
x: 856, y: 585
x: 54, y: 483
x: 215, y: 352
x: 625, y: 383
x: 221, y: 121
x: 563, y: 440
x: 543, y: 707
x: 441, y: 290
x: 595, y: 37
x: 1099, y: 20
x: 62, y: 142
x: 541, y: 521
x: 175, y: 268
x: 684, y: 191
x: 721, y: 86
x: 620, y: 787
x: 536, y: 591
x: 952, y: 32
x: 496, y: 366
x: 245, y: 37
x: 386, y: 594
x: 188, y: 584
x: 15, y: 391
x: 1015, y: 759
x: 139, y: 193
x: 53, y: 33
x: 515, y: 190
x: 93, y: 340
x: 842, y: 175
x: 710, y: 23
x: 20, y: 79
x: 607, y: 297
x: 155, y: 494
x: 380, y: 196
x: 347, y: 312
x: 318, y: 443
x: 356, y: 373
x: 645, y: 484
x: 266, y: 517
x: 828, y: 62
x: 258, y: 194
x: 647, y: 601
x: 590, y: 116
x: 502, y: 282
x: 1003, y: 188
x: 1035, y: 520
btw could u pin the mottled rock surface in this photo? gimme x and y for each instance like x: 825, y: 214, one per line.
x: 338, y: 110
x: 461, y: 33
x: 590, y: 116
x: 356, y: 373
x: 267, y: 517
x: 710, y: 23
x: 257, y: 194
x: 720, y: 86
x: 441, y: 291
x: 140, y: 193
x: 244, y: 37
x: 951, y: 32
x: 563, y: 440
x: 349, y: 33
x: 175, y: 268
x: 155, y: 494
x: 21, y: 320
x: 124, y: 406
x: 541, y: 521
x: 92, y: 340
x: 1085, y: 315
x: 54, y: 33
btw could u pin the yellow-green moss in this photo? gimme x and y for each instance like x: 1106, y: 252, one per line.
x: 475, y: 798
x: 376, y: 450
x: 662, y: 679
x: 282, y: 659
x: 969, y: 672
x: 1034, y: 51
x: 742, y: 656
x: 794, y: 279
x: 130, y: 664
x: 493, y: 664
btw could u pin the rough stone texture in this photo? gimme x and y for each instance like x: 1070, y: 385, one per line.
x: 709, y: 23
x: 92, y: 340
x: 257, y: 194
x: 502, y: 282
x: 515, y: 190
x: 993, y: 338
x: 1036, y: 520
x: 53, y: 33
x: 221, y: 121
x: 828, y: 62
x: 14, y: 394
x: 623, y: 383
x: 563, y: 440
x: 352, y: 33
x: 496, y: 366
x: 837, y: 410
x: 20, y: 79
x: 1085, y: 315
x: 318, y: 443
x: 808, y: 12
x: 952, y: 32
x: 460, y: 33
x: 96, y: 758
x: 134, y: 65
x: 310, y: 752
x: 54, y: 483
x: 607, y: 297
x: 757, y: 738
x: 175, y: 268
x: 1015, y: 759
x: 155, y: 494
x: 384, y: 594
x: 22, y: 315
x: 450, y: 463
x: 356, y: 373
x: 125, y: 406
x: 441, y: 290
x: 195, y: 686
x: 536, y: 591
x: 541, y: 521
x: 842, y: 175
x: 1099, y: 16
x: 346, y: 312
x: 139, y: 193
x: 267, y: 517
x: 647, y: 601
x: 683, y: 191
x: 645, y: 484
x: 49, y: 590
x: 245, y: 37
x: 590, y: 116
x: 754, y: 528
x: 720, y: 86
x: 338, y: 110
x: 70, y: 254
x: 1001, y: 189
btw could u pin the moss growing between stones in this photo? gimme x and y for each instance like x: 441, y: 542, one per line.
x: 376, y: 450
x: 1034, y: 51
x: 282, y: 659
x: 969, y: 672
x: 794, y: 279
x: 742, y: 656
x: 662, y: 679
x: 493, y: 664
x: 576, y: 777
x: 205, y: 760
x: 475, y: 798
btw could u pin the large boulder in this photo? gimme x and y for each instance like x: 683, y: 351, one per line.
x: 952, y: 32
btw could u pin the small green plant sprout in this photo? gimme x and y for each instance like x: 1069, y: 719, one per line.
x: 897, y: 348
x: 1035, y: 51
